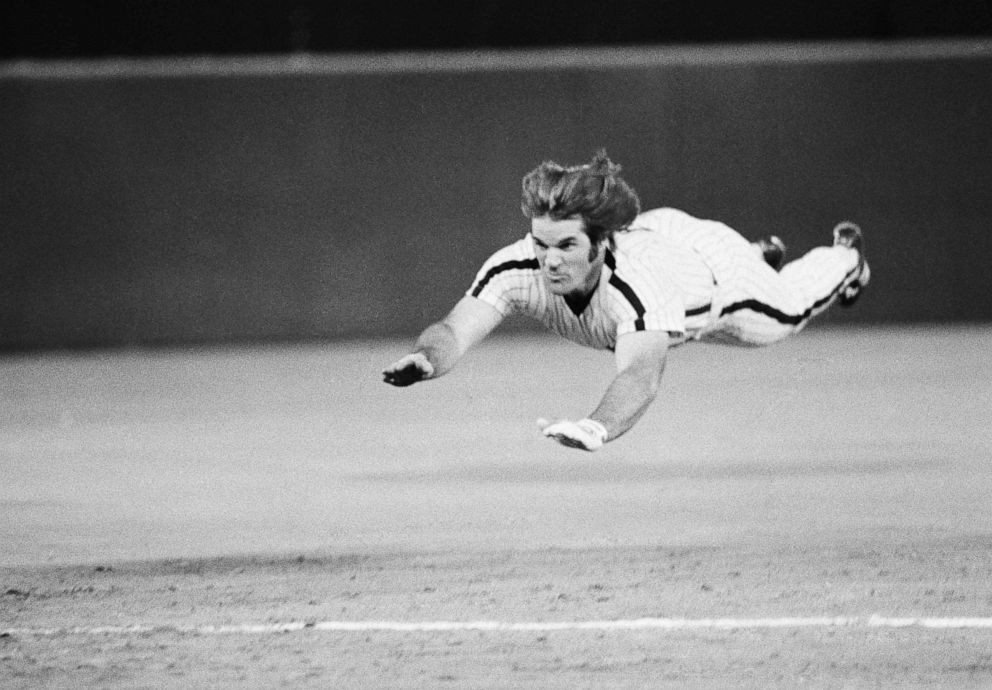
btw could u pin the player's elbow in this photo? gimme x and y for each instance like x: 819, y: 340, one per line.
x: 650, y: 390
x: 646, y: 380
x: 653, y: 386
x: 649, y: 373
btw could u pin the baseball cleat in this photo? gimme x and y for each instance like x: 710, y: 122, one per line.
x: 772, y: 251
x: 848, y: 234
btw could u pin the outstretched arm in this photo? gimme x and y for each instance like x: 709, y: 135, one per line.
x: 640, y: 359
x: 442, y: 344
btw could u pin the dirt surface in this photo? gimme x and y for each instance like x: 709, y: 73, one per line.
x: 930, y: 577
x: 844, y: 473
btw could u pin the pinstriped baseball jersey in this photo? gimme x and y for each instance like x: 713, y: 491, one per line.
x: 649, y: 282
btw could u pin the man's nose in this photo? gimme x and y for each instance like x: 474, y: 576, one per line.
x: 553, y: 258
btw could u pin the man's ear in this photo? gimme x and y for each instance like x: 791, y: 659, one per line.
x: 597, y: 250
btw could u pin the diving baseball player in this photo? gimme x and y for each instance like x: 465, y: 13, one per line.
x: 600, y: 273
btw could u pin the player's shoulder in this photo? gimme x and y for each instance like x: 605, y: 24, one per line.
x: 650, y: 259
x: 637, y: 264
x: 512, y: 266
x: 627, y: 249
x: 640, y: 297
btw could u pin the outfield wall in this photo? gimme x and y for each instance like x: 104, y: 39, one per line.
x: 316, y: 197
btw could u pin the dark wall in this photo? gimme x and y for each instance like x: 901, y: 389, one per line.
x: 323, y: 203
x: 81, y: 28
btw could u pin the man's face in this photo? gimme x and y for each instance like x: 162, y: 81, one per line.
x: 569, y: 263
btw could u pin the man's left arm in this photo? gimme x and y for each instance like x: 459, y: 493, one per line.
x: 640, y: 358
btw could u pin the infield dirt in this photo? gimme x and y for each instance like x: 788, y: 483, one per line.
x: 844, y: 473
x: 176, y: 598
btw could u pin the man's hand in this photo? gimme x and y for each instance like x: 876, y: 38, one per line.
x: 586, y: 434
x: 408, y: 370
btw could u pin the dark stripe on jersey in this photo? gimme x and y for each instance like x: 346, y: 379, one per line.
x: 612, y: 264
x: 496, y: 270
x: 626, y: 291
x: 782, y: 317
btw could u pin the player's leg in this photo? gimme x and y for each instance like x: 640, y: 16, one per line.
x: 761, y: 306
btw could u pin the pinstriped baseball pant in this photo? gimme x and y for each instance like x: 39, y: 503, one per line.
x: 756, y: 305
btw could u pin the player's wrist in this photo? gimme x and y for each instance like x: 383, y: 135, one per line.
x: 594, y: 428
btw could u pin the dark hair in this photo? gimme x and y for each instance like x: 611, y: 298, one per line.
x: 594, y: 192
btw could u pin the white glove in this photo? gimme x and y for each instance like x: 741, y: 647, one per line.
x: 587, y: 434
x: 409, y: 369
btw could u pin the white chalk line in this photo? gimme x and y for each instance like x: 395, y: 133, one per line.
x: 659, y: 624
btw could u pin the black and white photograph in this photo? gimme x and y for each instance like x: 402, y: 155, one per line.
x: 497, y: 344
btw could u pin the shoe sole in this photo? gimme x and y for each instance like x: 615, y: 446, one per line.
x: 849, y: 295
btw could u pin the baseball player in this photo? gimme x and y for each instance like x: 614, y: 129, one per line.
x: 600, y: 273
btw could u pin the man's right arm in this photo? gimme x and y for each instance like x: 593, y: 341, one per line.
x: 442, y: 344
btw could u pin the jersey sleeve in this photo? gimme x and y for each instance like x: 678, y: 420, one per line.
x: 644, y: 302
x: 506, y: 277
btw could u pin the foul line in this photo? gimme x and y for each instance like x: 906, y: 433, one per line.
x: 661, y: 624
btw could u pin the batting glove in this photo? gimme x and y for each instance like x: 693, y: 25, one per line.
x: 587, y: 434
x: 408, y: 370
